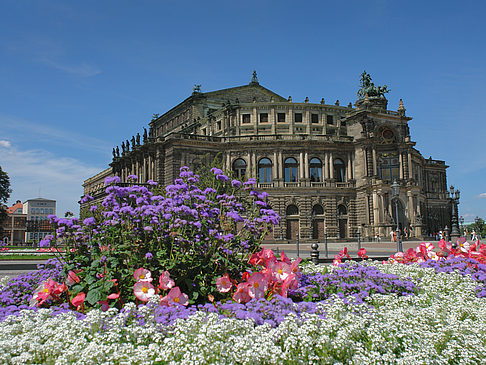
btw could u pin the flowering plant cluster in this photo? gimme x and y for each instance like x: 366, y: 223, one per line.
x: 144, y: 290
x: 276, y: 277
x: 426, y: 251
x: 351, y: 281
x: 197, y: 233
x: 344, y: 254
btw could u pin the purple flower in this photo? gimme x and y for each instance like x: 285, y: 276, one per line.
x: 148, y: 229
x: 112, y: 180
x: 132, y: 177
x: 217, y: 171
x: 235, y: 183
x: 148, y: 256
x: 89, y: 221
x: 151, y: 182
x: 93, y: 208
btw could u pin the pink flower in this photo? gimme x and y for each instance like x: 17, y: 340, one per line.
x: 78, y: 300
x: 362, y: 253
x: 344, y: 253
x: 143, y: 290
x: 142, y: 275
x: 290, y: 282
x: 72, y: 278
x: 258, y: 284
x: 262, y: 258
x: 294, y: 267
x: 241, y: 295
x: 224, y: 284
x: 165, y: 282
x: 114, y: 296
x: 337, y: 260
x: 280, y: 271
x: 175, y: 297
x: 284, y: 258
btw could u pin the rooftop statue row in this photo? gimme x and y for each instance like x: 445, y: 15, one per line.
x: 369, y: 88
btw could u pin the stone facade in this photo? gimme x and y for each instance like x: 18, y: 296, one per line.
x: 327, y: 168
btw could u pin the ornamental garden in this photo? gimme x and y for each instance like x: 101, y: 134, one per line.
x: 178, y: 275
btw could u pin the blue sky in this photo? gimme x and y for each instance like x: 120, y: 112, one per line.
x: 78, y: 78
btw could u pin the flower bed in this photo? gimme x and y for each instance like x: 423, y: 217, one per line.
x: 168, y: 279
x: 442, y: 322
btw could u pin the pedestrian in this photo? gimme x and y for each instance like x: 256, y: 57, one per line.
x: 473, y: 235
x: 392, y: 234
x: 377, y: 237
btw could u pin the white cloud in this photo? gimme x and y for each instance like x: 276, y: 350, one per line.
x: 83, y: 69
x: 35, y: 173
x: 51, y: 135
x: 482, y: 196
x: 4, y: 143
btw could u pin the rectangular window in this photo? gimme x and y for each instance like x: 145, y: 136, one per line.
x: 245, y: 118
x: 329, y: 119
x: 281, y: 117
x: 32, y: 210
x: 219, y: 125
x: 50, y: 210
x: 42, y: 210
x: 263, y: 117
x: 298, y: 117
x: 315, y: 118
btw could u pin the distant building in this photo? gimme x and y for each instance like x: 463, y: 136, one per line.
x: 328, y: 168
x: 37, y: 211
x: 14, y: 227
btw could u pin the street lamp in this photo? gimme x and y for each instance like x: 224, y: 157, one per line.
x: 454, y: 196
x: 395, y: 187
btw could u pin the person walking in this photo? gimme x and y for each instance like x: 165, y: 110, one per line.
x: 392, y: 234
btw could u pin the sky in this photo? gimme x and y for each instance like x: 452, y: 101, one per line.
x: 78, y: 78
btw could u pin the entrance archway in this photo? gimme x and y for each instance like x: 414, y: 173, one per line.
x: 342, y: 218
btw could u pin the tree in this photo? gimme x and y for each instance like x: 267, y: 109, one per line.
x: 4, y: 195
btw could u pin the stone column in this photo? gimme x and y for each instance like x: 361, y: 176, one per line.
x: 301, y: 166
x: 273, y: 120
x: 331, y: 165
x: 255, y: 118
x: 375, y: 165
x: 350, y: 169
x: 376, y: 211
x: 410, y: 170
x: 306, y: 165
x: 275, y: 167
x: 253, y: 165
x: 411, y: 215
x: 280, y: 167
x: 401, y: 164
x: 326, y: 165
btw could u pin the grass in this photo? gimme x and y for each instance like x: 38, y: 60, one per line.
x: 9, y: 257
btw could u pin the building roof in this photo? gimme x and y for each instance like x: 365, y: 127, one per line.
x: 39, y: 199
x: 14, y: 207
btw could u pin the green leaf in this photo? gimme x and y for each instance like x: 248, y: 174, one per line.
x: 94, y: 296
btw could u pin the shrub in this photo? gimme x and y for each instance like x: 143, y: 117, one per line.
x: 196, y: 233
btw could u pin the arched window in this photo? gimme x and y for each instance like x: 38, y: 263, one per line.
x: 315, y: 172
x: 342, y: 210
x: 265, y: 170
x: 317, y: 210
x: 339, y: 170
x: 290, y: 166
x: 292, y: 210
x: 239, y: 168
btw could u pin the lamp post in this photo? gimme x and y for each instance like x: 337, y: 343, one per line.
x: 454, y: 196
x: 395, y: 187
x: 461, y: 222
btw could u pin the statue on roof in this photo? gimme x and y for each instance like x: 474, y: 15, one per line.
x: 369, y: 88
x: 145, y: 135
x: 123, y: 147
x: 254, y: 78
x: 117, y: 152
x: 138, y: 139
x: 196, y: 89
